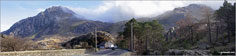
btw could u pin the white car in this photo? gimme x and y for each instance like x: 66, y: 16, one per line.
x: 113, y: 47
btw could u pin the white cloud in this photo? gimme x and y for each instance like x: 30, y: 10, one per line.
x: 40, y: 9
x: 114, y: 11
x: 4, y: 27
x: 121, y: 10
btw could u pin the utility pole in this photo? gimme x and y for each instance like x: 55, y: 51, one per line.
x: 131, y: 38
x: 208, y: 17
x: 95, y: 36
x: 209, y: 28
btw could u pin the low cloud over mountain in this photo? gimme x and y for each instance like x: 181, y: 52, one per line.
x: 115, y: 11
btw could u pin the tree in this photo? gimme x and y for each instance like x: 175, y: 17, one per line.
x: 226, y: 14
x: 185, y: 27
x: 147, y: 35
x: 208, y: 15
x: 127, y: 31
x: 157, y: 38
x: 12, y: 43
x: 147, y: 29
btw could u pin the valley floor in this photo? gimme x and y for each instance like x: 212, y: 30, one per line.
x: 67, y: 52
x: 63, y: 52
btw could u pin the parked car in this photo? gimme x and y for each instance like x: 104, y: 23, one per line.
x: 114, y: 47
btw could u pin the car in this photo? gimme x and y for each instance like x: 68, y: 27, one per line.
x: 114, y: 47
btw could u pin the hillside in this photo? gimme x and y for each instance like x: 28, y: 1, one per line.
x: 56, y: 20
x: 169, y: 18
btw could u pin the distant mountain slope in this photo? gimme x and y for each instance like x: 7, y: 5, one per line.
x: 169, y: 18
x: 55, y: 20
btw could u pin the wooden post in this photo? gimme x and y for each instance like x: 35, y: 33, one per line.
x: 131, y: 38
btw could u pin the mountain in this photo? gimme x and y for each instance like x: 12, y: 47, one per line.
x: 56, y: 20
x: 169, y: 18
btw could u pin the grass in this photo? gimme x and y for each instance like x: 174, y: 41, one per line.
x: 47, y: 52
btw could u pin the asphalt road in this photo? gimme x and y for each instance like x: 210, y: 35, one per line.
x: 109, y: 52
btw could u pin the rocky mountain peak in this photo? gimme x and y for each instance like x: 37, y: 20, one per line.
x: 59, y: 9
x: 191, y: 7
x: 46, y: 22
x: 196, y: 5
x: 59, y: 13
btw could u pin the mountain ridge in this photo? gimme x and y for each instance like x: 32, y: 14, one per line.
x: 169, y: 18
x: 63, y: 21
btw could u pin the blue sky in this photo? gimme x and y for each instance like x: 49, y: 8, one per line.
x: 107, y: 11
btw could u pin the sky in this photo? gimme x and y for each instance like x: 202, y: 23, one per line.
x: 106, y: 11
